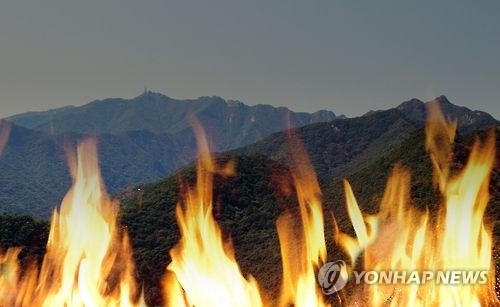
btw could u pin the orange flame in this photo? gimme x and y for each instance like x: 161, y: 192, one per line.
x: 466, y: 241
x: 302, y: 250
x: 205, y: 269
x: 5, y: 128
x: 407, y: 239
x: 440, y: 134
x: 88, y: 262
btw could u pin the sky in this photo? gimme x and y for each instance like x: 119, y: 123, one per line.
x: 346, y: 56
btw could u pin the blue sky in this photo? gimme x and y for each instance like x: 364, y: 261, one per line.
x: 345, y: 56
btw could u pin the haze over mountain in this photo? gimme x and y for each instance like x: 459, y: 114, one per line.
x: 34, y: 175
x: 147, y: 138
x: 140, y: 140
x: 230, y: 124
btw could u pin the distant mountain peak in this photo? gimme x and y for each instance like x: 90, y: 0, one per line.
x: 149, y: 95
x: 416, y: 110
x: 414, y: 106
x: 411, y: 102
x: 233, y: 103
x: 442, y: 99
x: 230, y: 123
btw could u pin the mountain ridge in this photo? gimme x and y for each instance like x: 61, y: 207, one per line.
x: 159, y: 113
x: 132, y: 149
x: 467, y: 119
x: 34, y: 159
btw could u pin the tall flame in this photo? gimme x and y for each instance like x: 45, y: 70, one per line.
x: 466, y: 241
x: 204, y: 267
x: 88, y: 261
x: 303, y: 250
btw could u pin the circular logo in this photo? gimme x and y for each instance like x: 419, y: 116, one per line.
x: 332, y: 276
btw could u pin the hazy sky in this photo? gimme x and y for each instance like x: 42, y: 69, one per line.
x: 345, y: 56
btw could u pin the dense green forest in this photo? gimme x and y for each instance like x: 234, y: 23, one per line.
x: 25, y: 232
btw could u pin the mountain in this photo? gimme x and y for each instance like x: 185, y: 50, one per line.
x: 34, y: 175
x: 246, y: 205
x: 467, y: 119
x: 341, y: 146
x: 362, y: 149
x: 230, y: 124
x: 140, y: 140
x: 147, y: 138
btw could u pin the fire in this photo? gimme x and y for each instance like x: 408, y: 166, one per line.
x: 303, y: 250
x: 88, y: 260
x: 406, y: 239
x: 205, y: 272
